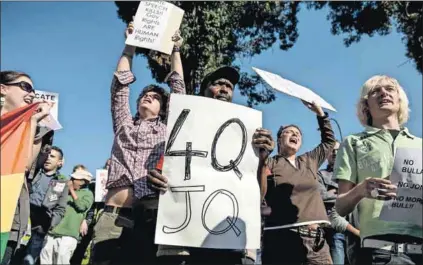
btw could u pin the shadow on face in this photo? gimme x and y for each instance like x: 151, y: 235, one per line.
x: 54, y: 161
x: 220, y: 89
x: 18, y: 93
x: 150, y: 102
x: 383, y: 100
x: 332, y: 155
x: 289, y: 141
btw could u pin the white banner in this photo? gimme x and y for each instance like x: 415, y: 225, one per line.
x: 407, y: 175
x: 100, y: 184
x: 154, y: 25
x: 214, y: 198
x: 51, y: 121
x: 292, y: 89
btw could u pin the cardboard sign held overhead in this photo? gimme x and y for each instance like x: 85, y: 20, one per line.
x: 51, y: 121
x: 214, y: 198
x: 292, y: 89
x: 154, y: 25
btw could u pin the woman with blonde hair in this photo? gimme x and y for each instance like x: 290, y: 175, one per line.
x: 363, y: 165
x: 16, y: 91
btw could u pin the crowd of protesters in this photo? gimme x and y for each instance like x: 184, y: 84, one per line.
x: 309, y: 215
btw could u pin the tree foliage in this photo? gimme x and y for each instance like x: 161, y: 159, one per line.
x: 358, y: 18
x: 217, y: 33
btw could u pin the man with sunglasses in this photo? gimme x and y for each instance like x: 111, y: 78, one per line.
x: 339, y: 225
x: 124, y: 232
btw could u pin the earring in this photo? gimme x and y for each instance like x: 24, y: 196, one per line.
x: 2, y: 101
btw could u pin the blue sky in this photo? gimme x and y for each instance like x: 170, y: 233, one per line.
x: 72, y: 48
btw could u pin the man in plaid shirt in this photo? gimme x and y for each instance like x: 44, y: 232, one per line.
x: 124, y: 232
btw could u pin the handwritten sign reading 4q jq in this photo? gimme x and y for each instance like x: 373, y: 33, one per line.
x: 154, y: 25
x: 407, y: 175
x: 214, y: 199
x: 51, y: 121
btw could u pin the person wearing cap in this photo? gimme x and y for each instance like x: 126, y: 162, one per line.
x: 126, y: 225
x: 220, y: 85
x: 62, y: 240
x: 293, y: 231
x: 362, y: 168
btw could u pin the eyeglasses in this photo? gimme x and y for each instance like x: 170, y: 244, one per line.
x: 25, y: 86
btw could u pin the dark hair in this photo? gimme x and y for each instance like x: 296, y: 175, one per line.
x: 284, y: 127
x: 77, y: 167
x: 9, y: 76
x: 57, y: 149
x: 163, y: 103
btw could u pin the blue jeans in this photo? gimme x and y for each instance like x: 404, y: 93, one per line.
x: 383, y: 257
x: 35, y: 246
x: 258, y: 257
x: 337, y: 249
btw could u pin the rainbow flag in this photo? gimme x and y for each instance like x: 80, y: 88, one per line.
x: 15, y: 127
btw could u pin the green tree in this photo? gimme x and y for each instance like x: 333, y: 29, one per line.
x: 357, y: 18
x: 217, y: 33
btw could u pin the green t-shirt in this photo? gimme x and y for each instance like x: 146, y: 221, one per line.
x: 74, y: 215
x: 371, y: 154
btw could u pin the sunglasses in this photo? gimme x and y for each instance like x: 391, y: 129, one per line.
x: 25, y: 86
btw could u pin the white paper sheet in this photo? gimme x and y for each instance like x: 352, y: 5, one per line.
x: 224, y: 206
x: 407, y: 175
x: 100, y: 184
x: 154, y: 25
x: 51, y: 121
x: 292, y: 89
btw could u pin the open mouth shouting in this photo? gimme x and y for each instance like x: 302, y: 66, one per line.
x: 293, y: 140
x: 385, y: 101
x: 147, y: 100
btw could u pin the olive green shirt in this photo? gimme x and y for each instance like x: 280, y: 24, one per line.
x: 371, y: 154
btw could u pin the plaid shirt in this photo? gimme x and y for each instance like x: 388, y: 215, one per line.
x: 138, y: 145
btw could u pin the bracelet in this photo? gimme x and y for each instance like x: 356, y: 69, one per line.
x: 175, y: 49
x: 127, y: 54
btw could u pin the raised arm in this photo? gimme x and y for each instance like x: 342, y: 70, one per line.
x: 176, y: 62
x: 175, y: 78
x: 328, y: 141
x: 121, y: 113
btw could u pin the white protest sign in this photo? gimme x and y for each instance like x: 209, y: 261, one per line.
x: 100, y: 184
x: 292, y: 89
x: 407, y: 175
x: 51, y: 121
x: 214, y: 198
x: 154, y: 25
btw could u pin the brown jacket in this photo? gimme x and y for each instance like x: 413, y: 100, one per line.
x: 293, y: 193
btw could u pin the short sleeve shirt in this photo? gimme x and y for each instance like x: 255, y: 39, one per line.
x: 371, y: 154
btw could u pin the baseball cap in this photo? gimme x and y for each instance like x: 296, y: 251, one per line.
x: 82, y: 174
x: 226, y: 72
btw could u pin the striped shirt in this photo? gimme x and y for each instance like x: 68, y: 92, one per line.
x: 138, y: 145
